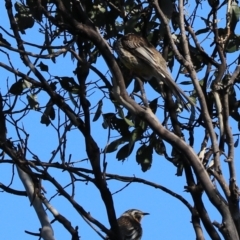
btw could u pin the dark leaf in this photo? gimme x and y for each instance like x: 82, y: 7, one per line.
x: 48, y: 46
x: 53, y: 85
x: 144, y: 157
x: 20, y: 7
x: 179, y: 169
x: 113, y: 146
x: 186, y: 82
x: 116, y: 123
x: 24, y: 21
x: 4, y: 41
x: 48, y: 114
x: 73, y: 100
x: 93, y: 55
x: 203, y: 30
x: 32, y: 101
x: 193, y: 113
x: 213, y: 3
x: 123, y: 152
x: 51, y: 112
x: 206, y: 21
x: 131, y: 23
x: 159, y: 147
x: 135, y: 136
x: 43, y: 67
x: 45, y: 120
x: 236, y: 143
x: 35, y: 9
x: 65, y: 85
x: 69, y: 84
x: 175, y: 20
x: 99, y: 111
x: 107, y: 118
x: 153, y: 105
x: 18, y: 87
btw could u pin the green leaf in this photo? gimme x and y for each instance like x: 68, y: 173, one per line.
x: 135, y: 135
x: 233, y: 44
x: 32, y: 101
x: 129, y: 122
x: 120, y: 112
x: 234, y: 14
x: 143, y: 125
x: 99, y: 111
x: 43, y: 67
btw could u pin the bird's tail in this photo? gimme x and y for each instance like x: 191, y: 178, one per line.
x: 183, y: 99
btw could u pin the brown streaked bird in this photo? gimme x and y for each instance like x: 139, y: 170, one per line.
x: 130, y: 224
x: 141, y: 57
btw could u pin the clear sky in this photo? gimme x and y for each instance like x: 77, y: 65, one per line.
x: 169, y: 219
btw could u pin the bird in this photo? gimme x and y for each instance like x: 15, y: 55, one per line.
x: 130, y: 224
x: 143, y: 59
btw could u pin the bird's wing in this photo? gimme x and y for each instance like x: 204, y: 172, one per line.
x: 142, y: 49
x: 129, y: 228
x: 131, y: 233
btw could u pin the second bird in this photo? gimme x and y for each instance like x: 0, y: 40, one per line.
x: 141, y: 57
x: 130, y: 224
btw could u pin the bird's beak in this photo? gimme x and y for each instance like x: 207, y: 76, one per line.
x: 146, y: 213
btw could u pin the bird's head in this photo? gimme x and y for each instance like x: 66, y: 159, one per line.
x: 135, y: 214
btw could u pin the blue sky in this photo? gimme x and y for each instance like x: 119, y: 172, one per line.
x: 169, y: 219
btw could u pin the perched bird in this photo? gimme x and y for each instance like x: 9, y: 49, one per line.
x: 143, y: 59
x: 130, y: 224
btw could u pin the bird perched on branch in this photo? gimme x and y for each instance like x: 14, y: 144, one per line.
x: 130, y: 224
x: 141, y: 57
